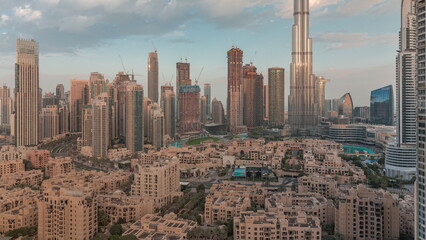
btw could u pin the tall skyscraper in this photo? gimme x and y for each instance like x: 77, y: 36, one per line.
x: 100, y: 134
x: 401, y: 156
x: 420, y: 184
x: 97, y: 84
x: 249, y: 101
x: 203, y: 108
x: 208, y: 94
x: 320, y: 94
x: 120, y: 83
x: 87, y: 126
x: 302, y: 114
x: 146, y: 117
x: 5, y: 106
x: 258, y: 96
x: 381, y: 106
x: 79, y: 96
x: 183, y: 78
x: 189, y: 109
x: 265, y: 102
x: 235, y: 90
x: 168, y: 104
x: 49, y: 122
x: 60, y: 91
x: 157, y: 129
x: 134, y: 118
x: 276, y: 96
x: 27, y: 93
x: 153, y: 76
x: 218, y: 114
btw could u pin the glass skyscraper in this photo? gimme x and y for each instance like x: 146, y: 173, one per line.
x: 381, y: 106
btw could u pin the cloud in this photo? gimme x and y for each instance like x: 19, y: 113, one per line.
x: 26, y: 13
x: 70, y: 25
x: 181, y: 40
x: 339, y: 40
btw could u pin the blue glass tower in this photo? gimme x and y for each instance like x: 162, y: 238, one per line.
x: 381, y: 106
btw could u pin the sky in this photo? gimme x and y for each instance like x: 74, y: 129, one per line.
x: 355, y: 41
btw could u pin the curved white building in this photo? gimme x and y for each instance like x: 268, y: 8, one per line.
x: 401, y: 155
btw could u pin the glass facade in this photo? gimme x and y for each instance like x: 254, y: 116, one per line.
x: 381, y: 106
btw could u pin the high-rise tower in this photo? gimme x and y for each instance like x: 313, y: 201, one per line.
x: 27, y: 93
x: 400, y: 157
x: 420, y: 185
x: 276, y: 96
x: 302, y: 113
x: 235, y: 90
x: 153, y: 76
x: 168, y: 104
x: 208, y: 94
x: 134, y: 117
x: 320, y: 94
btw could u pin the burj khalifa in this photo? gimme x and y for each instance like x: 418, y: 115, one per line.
x: 302, y: 110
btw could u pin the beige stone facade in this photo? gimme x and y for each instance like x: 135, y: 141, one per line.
x: 59, y: 166
x: 27, y: 178
x: 127, y: 208
x: 38, y: 158
x: 324, y: 185
x: 291, y: 204
x: 153, y: 227
x: 270, y: 225
x: 159, y: 181
x: 24, y: 216
x: 67, y: 210
x: 228, y: 200
x: 363, y: 213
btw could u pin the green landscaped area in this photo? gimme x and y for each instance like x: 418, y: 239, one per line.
x: 197, y: 141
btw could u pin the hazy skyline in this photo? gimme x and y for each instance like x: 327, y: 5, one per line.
x: 82, y: 36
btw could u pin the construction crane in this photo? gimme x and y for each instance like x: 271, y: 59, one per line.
x: 199, y: 75
x: 122, y: 64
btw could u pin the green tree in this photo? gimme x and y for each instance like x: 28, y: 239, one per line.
x: 103, y: 218
x: 100, y: 236
x: 116, y: 229
x: 201, y: 188
x: 129, y: 237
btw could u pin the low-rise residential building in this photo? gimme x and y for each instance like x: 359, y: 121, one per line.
x: 23, y: 216
x: 67, y: 210
x: 38, y: 158
x: 126, y: 208
x: 363, y: 213
x: 59, y: 166
x: 272, y: 225
x: 312, y: 204
x: 159, y: 181
x: 153, y: 227
x: 227, y: 200
x: 17, y: 197
x: 322, y: 184
x: 27, y: 178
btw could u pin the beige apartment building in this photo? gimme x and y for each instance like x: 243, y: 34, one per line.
x: 324, y: 185
x: 67, y: 211
x: 38, y: 158
x: 27, y: 178
x: 18, y: 208
x: 290, y: 204
x: 159, y: 181
x: 263, y: 225
x: 59, y: 166
x: 153, y: 227
x: 228, y: 200
x: 367, y: 214
x: 8, y: 167
x: 127, y: 208
x: 23, y: 216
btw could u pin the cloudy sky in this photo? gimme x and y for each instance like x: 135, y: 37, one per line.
x: 355, y: 41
